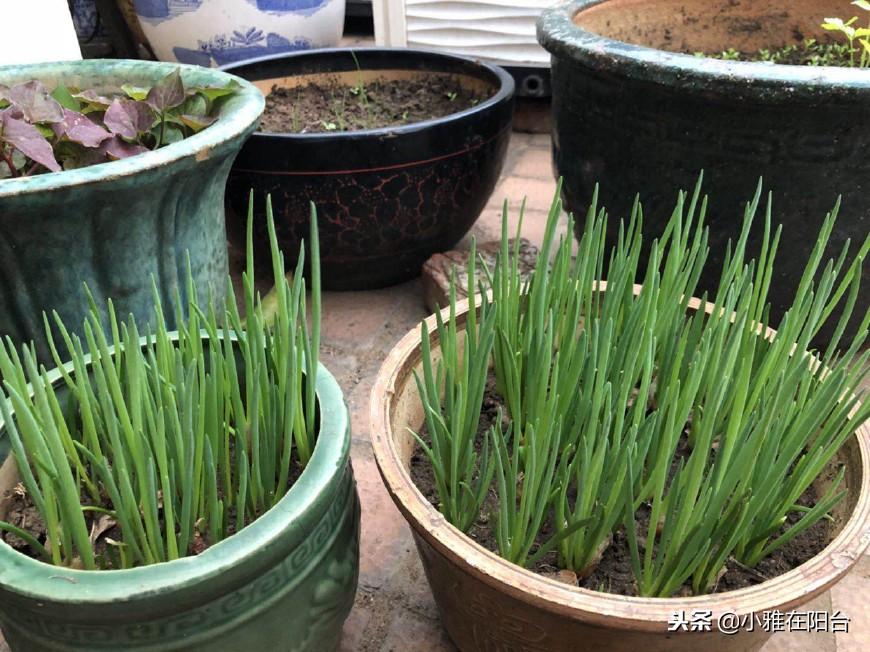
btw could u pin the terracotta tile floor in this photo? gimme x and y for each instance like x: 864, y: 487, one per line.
x: 394, y: 611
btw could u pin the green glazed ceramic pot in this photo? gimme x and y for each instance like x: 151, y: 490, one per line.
x: 636, y: 112
x: 117, y: 225
x: 286, y: 582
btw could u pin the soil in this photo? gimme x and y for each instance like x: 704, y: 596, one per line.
x: 22, y: 513
x: 614, y: 574
x: 421, y: 470
x: 333, y: 106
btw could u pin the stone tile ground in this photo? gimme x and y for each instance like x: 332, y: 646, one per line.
x: 394, y: 610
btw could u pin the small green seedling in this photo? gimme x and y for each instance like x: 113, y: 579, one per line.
x: 858, y: 38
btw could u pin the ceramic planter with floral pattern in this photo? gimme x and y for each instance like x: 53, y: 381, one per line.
x: 220, y: 32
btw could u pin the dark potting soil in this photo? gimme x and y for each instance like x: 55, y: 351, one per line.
x: 21, y: 512
x: 614, y: 574
x: 334, y: 106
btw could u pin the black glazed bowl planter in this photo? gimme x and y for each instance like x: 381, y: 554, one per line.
x: 633, y: 112
x: 386, y: 198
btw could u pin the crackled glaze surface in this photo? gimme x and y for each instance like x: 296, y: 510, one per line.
x: 377, y: 227
x: 116, y: 226
x: 386, y: 198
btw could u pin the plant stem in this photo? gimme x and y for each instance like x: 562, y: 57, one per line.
x: 7, y: 156
x: 162, y: 128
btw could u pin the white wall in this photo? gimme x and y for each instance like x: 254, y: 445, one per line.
x: 501, y: 31
x: 36, y: 31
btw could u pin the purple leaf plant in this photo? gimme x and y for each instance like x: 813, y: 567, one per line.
x: 44, y: 130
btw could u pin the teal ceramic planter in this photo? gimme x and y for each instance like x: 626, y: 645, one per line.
x: 284, y: 583
x: 115, y: 226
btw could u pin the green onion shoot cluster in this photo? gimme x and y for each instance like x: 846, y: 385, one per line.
x: 170, y: 442
x: 603, y: 383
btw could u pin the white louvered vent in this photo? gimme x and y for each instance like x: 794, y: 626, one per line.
x: 499, y: 31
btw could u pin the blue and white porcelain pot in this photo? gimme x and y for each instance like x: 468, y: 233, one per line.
x: 219, y: 32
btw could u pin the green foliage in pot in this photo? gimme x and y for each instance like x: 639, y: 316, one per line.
x: 852, y: 51
x: 622, y: 398
x: 858, y: 38
x: 809, y: 52
x: 67, y: 128
x: 152, y: 448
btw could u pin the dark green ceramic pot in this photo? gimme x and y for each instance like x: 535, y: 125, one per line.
x: 633, y: 112
x: 286, y: 582
x: 115, y: 226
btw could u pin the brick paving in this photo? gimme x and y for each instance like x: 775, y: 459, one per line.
x: 394, y: 610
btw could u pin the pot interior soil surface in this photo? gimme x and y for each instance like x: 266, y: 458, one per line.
x: 742, y: 27
x: 18, y: 509
x: 330, y: 104
x: 613, y: 574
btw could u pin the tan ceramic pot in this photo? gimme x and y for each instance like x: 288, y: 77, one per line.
x: 489, y: 604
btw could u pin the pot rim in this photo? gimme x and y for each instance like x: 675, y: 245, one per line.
x: 603, y: 609
x: 557, y: 33
x: 504, y: 93
x: 237, y: 117
x: 41, y: 581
